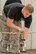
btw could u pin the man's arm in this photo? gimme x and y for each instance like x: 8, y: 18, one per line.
x: 28, y: 22
x: 12, y: 25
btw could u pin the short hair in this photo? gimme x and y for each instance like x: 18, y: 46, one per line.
x: 30, y: 8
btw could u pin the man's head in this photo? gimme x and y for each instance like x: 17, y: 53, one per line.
x: 27, y: 10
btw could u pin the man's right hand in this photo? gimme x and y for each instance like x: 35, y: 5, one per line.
x: 21, y: 29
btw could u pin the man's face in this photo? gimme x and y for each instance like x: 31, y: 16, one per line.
x: 26, y: 13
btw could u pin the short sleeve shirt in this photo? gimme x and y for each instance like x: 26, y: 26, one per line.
x: 15, y: 13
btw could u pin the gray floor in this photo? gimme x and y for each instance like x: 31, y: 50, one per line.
x: 28, y: 52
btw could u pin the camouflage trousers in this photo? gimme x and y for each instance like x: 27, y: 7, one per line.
x: 10, y: 42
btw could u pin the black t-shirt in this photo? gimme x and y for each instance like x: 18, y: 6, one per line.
x: 15, y: 13
x: 12, y: 1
